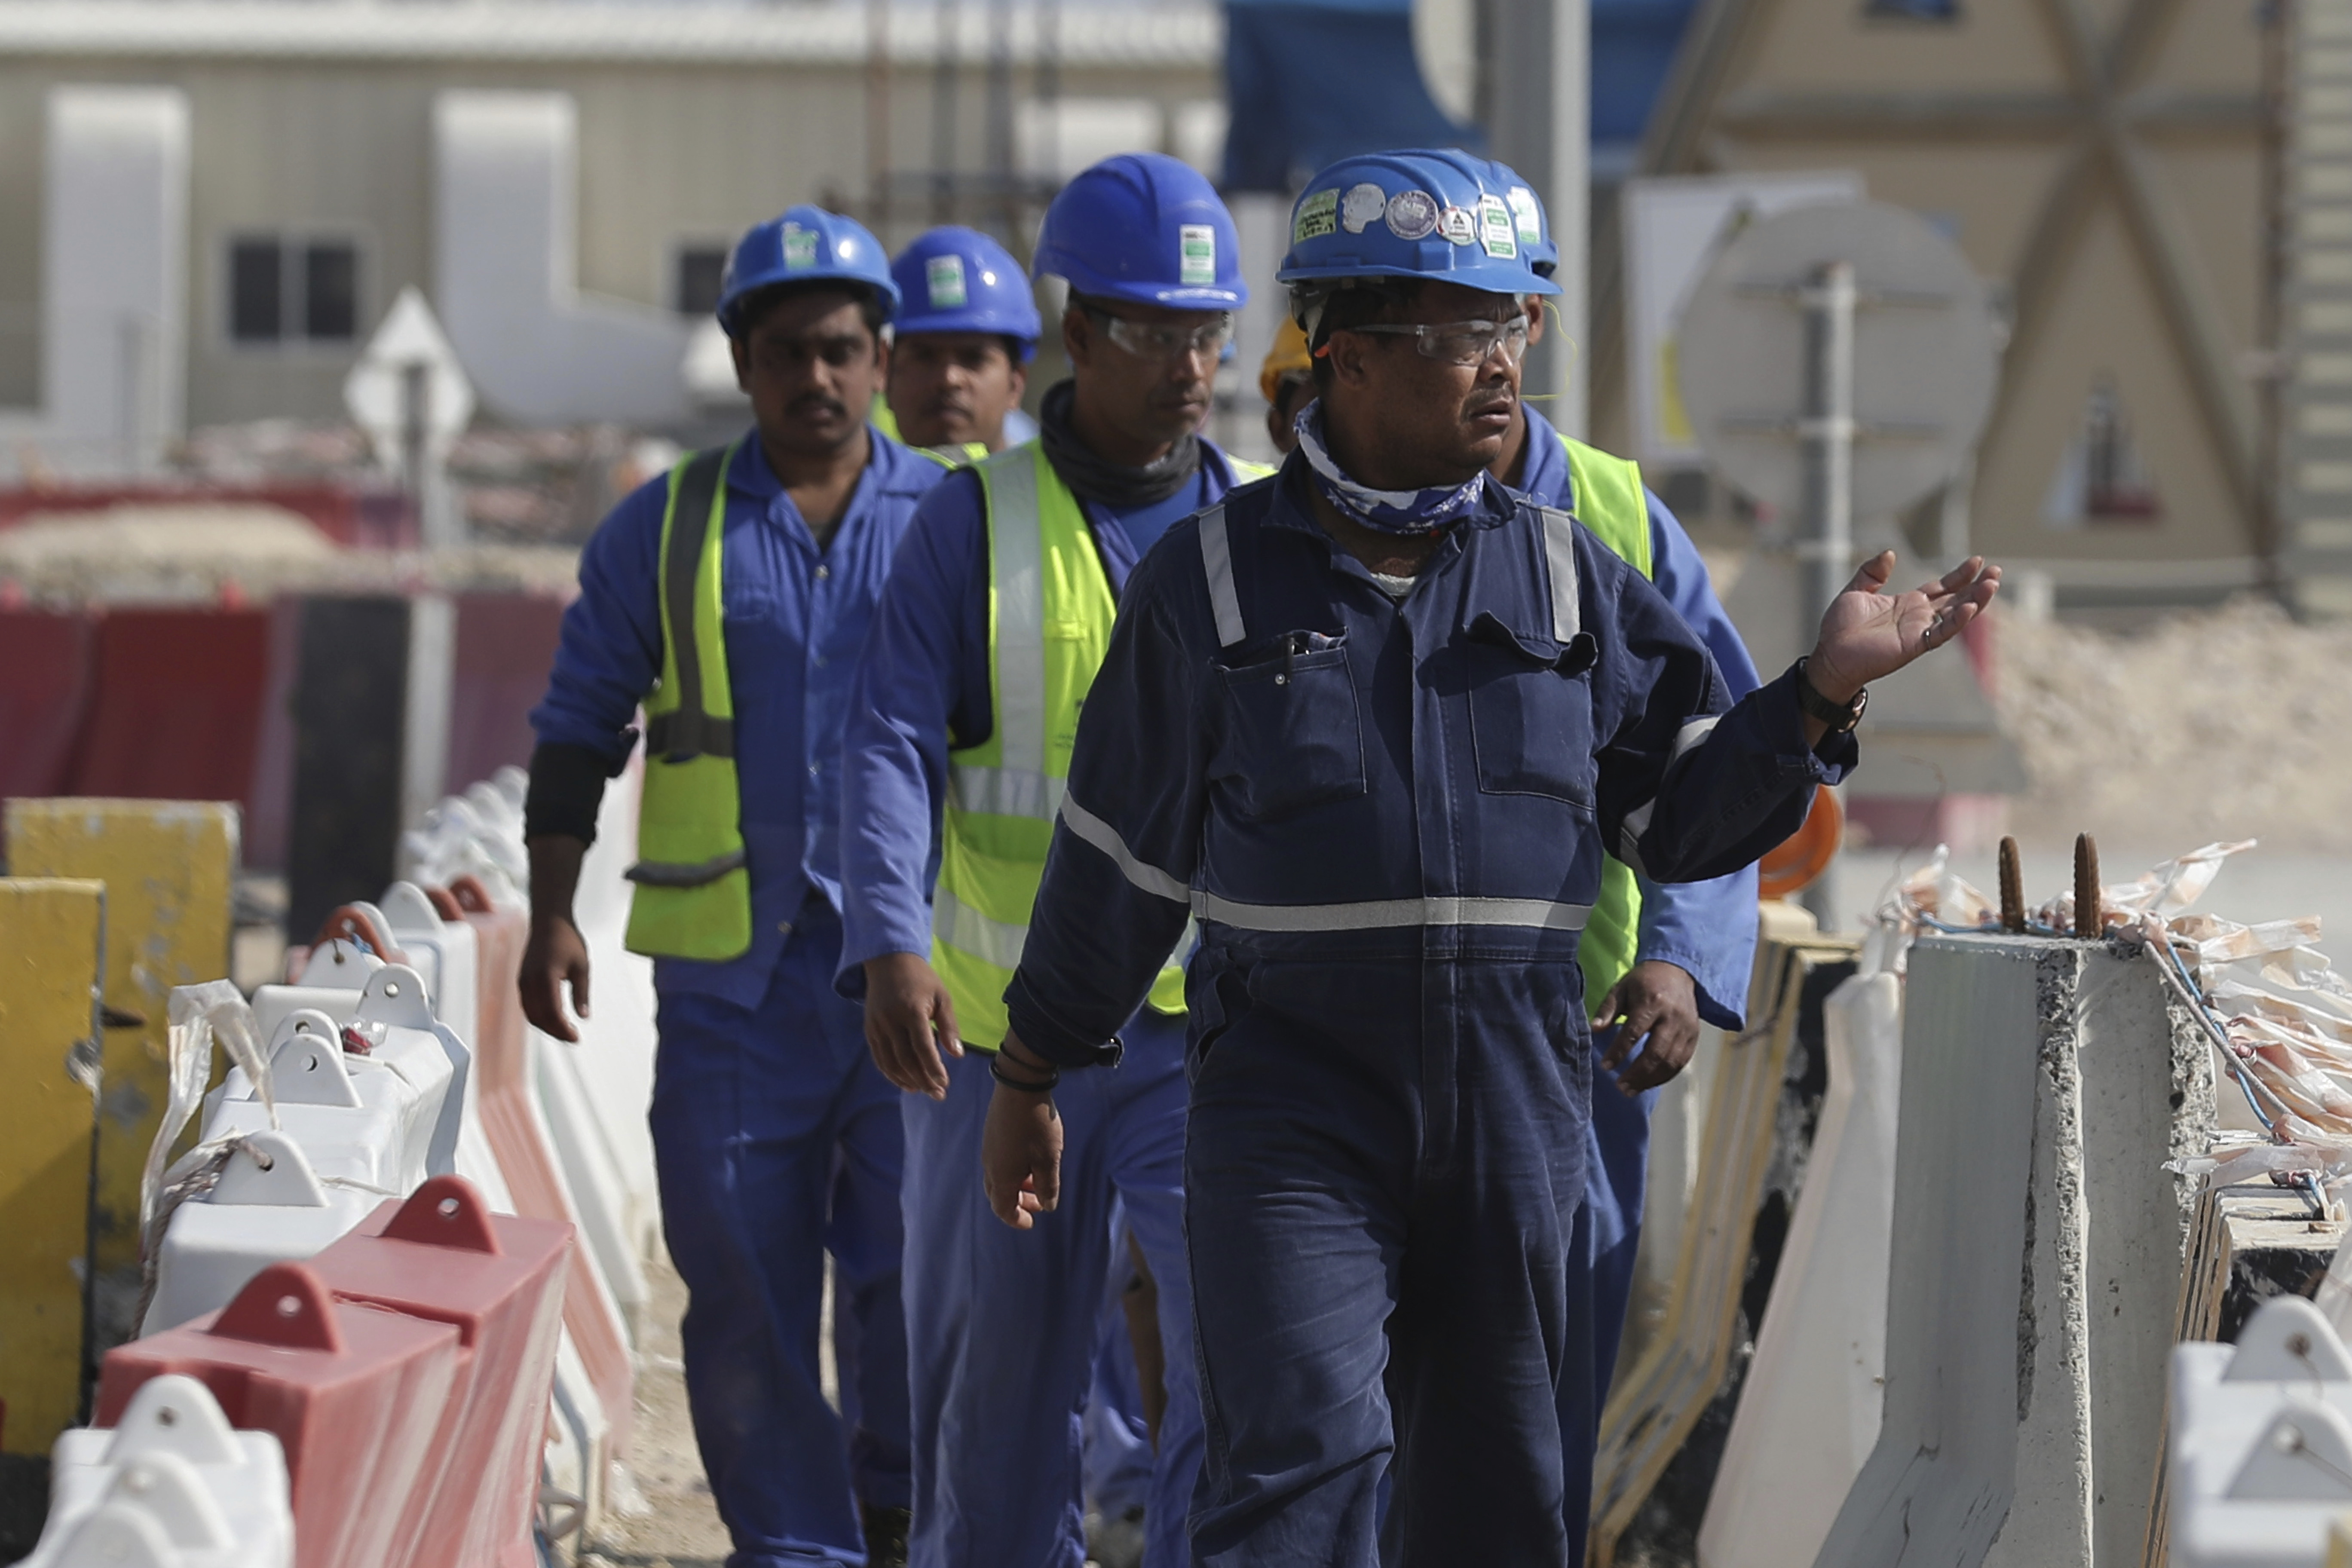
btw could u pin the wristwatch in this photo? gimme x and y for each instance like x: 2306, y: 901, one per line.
x: 1840, y: 716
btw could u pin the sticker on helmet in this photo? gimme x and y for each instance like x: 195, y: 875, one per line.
x: 1456, y: 224
x: 800, y: 246
x: 1196, y: 254
x: 1495, y: 229
x: 1413, y: 215
x: 1529, y: 215
x: 1318, y: 215
x: 1363, y: 206
x: 943, y: 280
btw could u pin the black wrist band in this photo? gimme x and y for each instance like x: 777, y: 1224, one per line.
x: 1840, y: 716
x: 996, y: 1071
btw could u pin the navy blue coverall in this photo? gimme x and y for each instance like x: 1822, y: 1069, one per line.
x: 1388, y: 819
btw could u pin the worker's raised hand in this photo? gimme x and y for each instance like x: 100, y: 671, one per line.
x: 553, y: 957
x: 1656, y: 1008
x: 1021, y: 1156
x: 1868, y: 634
x: 908, y: 1017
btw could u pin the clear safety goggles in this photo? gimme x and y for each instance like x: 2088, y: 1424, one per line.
x: 1157, y: 344
x: 1459, y: 343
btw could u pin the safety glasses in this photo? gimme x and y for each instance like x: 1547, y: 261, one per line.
x: 1159, y: 345
x: 1459, y: 343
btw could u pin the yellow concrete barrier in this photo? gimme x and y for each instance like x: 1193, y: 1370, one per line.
x: 170, y: 870
x: 52, y: 948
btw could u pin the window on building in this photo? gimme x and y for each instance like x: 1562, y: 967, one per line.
x: 1915, y: 10
x: 700, y: 269
x: 292, y: 289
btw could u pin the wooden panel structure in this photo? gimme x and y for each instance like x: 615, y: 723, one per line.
x: 1663, y: 1428
x: 52, y: 958
x: 2246, y: 1245
x: 170, y: 870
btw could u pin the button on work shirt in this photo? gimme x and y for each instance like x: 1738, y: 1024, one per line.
x: 924, y: 689
x: 1706, y: 929
x: 795, y: 620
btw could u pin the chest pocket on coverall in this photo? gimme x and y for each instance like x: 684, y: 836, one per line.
x: 1531, y: 712
x: 1293, y: 737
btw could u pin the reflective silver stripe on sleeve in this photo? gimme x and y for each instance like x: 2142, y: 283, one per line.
x: 1560, y: 555
x: 1637, y: 823
x: 1017, y: 543
x: 1379, y: 914
x: 959, y: 926
x: 1004, y: 792
x: 1104, y: 838
x: 1217, y: 560
x: 1691, y: 735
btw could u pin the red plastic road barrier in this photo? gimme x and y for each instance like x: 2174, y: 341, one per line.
x: 175, y: 705
x: 534, y: 1180
x: 44, y: 683
x: 355, y: 1394
x: 441, y: 1255
x: 506, y: 644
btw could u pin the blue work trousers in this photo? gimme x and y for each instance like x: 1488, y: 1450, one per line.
x: 777, y: 1142
x: 1608, y: 1236
x: 1004, y: 1325
x: 1382, y: 1175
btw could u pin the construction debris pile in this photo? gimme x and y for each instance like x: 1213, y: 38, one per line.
x: 2242, y: 713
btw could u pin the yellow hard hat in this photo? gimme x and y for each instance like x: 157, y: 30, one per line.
x: 1287, y: 357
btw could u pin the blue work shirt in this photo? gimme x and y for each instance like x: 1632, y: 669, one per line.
x: 1327, y: 778
x: 795, y: 620
x: 1705, y: 928
x: 923, y: 690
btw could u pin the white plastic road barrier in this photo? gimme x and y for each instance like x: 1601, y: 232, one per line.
x: 579, y: 1448
x: 377, y: 1099
x: 269, y: 1207
x: 169, y: 1487
x: 592, y: 1176
x: 419, y: 931
x: 2036, y: 1257
x: 615, y: 1057
x: 2262, y: 1442
x: 333, y: 976
x: 1808, y: 1413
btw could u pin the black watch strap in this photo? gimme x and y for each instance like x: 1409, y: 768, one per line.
x: 1840, y: 716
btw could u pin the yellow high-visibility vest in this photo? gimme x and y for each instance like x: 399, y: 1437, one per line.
x: 693, y: 897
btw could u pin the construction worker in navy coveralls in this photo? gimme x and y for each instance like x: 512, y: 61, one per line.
x: 1374, y: 724
x: 732, y: 599
x: 985, y: 642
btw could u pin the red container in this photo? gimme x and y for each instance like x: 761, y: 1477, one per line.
x: 45, y: 686
x: 498, y: 1282
x: 518, y: 1138
x: 356, y: 1394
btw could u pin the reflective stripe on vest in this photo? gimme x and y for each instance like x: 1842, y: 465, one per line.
x: 693, y: 895
x: 1049, y: 621
x: 1608, y: 500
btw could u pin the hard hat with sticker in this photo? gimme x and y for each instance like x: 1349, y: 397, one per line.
x: 958, y: 279
x: 1495, y: 228
x: 1434, y: 213
x: 1413, y: 215
x: 804, y: 244
x: 1363, y: 206
x: 1145, y: 227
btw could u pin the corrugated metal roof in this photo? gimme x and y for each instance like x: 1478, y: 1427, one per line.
x: 1187, y: 34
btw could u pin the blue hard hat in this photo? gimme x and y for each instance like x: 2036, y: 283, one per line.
x: 956, y: 279
x: 805, y: 245
x: 1147, y: 228
x: 1422, y: 214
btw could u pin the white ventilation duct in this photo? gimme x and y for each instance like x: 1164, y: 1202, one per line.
x: 114, y: 263
x: 506, y: 182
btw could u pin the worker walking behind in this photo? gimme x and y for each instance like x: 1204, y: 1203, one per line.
x: 966, y: 333
x: 730, y: 599
x: 1662, y: 957
x: 986, y: 642
x: 1374, y: 725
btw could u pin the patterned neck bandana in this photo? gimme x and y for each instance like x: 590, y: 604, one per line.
x: 1387, y: 511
